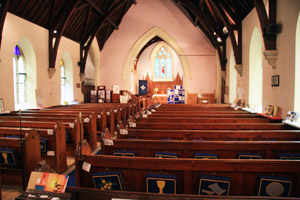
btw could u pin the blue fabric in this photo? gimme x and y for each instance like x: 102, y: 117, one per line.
x: 72, y: 179
x: 108, y: 180
x: 289, y: 156
x: 274, y: 186
x: 44, y: 145
x: 205, y: 155
x: 8, y: 157
x: 99, y: 153
x: 249, y: 156
x: 214, y: 185
x: 165, y: 155
x: 167, y: 186
x: 143, y: 87
x: 125, y: 153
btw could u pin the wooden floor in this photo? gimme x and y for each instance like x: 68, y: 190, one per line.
x: 10, y: 193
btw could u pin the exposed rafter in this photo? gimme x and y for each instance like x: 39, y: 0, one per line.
x: 189, y: 7
x: 85, y: 44
x: 270, y: 29
x: 56, y: 31
x: 236, y: 45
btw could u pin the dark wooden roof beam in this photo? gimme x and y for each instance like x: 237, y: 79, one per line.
x: 206, y: 23
x: 237, y: 46
x: 102, y: 13
x: 55, y: 35
x: 85, y: 45
x: 270, y: 29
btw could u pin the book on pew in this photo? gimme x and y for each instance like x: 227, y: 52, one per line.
x: 50, y: 182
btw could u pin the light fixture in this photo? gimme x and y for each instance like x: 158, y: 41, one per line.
x: 55, y: 31
x: 225, y: 30
x: 219, y: 39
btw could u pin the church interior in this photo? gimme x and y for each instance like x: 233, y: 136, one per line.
x: 149, y: 99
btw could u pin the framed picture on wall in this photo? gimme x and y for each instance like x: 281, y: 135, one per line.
x: 275, y: 81
x: 2, y: 105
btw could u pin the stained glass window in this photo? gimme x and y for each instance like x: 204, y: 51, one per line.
x: 163, y: 64
x: 19, y: 76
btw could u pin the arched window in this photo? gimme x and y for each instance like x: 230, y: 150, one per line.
x: 163, y: 70
x: 19, y: 76
x: 62, y: 81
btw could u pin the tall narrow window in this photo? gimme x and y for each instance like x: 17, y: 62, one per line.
x: 19, y: 76
x: 163, y: 65
x: 63, y: 81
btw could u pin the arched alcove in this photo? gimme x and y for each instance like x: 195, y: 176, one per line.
x: 256, y: 69
x: 31, y: 71
x: 141, y: 42
x: 297, y: 67
x: 232, y: 78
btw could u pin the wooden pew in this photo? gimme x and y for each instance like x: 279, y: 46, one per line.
x: 27, y: 158
x: 211, y: 126
x: 183, y: 112
x: 243, y: 173
x: 172, y: 116
x: 71, y: 120
x: 54, y: 132
x: 213, y: 135
x: 179, y: 119
x: 187, y: 149
x: 79, y: 193
x: 191, y: 107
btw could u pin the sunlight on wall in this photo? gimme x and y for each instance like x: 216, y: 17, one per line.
x: 69, y: 77
x: 255, y: 69
x: 297, y: 67
x: 232, y: 78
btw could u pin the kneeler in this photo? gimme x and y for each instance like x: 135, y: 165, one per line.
x: 289, y: 156
x: 249, y: 156
x: 44, y: 145
x: 273, y: 186
x: 165, y: 155
x: 214, y: 185
x: 124, y: 153
x: 8, y: 157
x: 161, y: 183
x: 108, y: 180
x: 205, y: 155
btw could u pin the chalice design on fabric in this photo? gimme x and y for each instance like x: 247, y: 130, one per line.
x: 161, y: 185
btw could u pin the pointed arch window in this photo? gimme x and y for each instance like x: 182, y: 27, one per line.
x: 19, y: 76
x: 163, y: 65
x: 62, y: 81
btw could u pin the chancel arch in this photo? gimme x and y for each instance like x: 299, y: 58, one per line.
x: 297, y: 67
x: 256, y: 69
x: 140, y: 44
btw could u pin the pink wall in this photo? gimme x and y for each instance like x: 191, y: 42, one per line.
x: 164, y: 14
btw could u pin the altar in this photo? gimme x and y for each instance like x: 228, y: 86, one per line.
x: 160, y: 98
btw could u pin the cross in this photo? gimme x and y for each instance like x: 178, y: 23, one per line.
x: 143, y: 87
